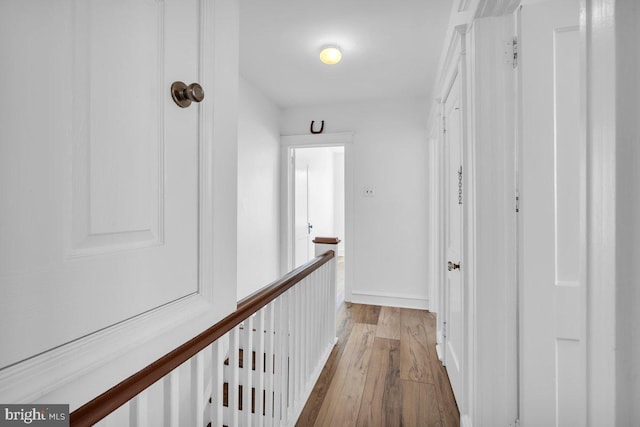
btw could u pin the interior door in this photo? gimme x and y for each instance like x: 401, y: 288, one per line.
x: 454, y: 291
x: 302, y: 227
x: 552, y: 224
x: 98, y: 166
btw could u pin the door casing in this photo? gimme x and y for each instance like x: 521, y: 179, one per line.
x: 287, y: 224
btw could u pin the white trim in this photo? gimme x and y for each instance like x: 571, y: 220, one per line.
x: 456, y: 68
x: 440, y: 351
x: 489, y: 8
x: 491, y: 225
x: 390, y: 299
x: 465, y: 421
x: 463, y: 5
x: 30, y: 380
x: 317, y: 140
x: 311, y: 384
x: 287, y: 142
x: 598, y: 32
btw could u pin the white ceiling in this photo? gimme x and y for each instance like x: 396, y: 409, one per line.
x: 390, y: 48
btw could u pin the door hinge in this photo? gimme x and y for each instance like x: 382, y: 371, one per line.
x: 517, y: 201
x: 444, y: 330
x: 514, y: 44
x: 444, y: 124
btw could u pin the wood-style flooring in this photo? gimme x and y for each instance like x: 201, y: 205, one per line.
x: 383, y: 371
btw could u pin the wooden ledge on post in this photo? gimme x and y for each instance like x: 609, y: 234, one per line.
x: 324, y: 244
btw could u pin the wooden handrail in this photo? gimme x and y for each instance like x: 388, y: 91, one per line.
x: 103, y: 405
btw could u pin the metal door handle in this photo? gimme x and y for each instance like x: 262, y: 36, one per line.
x: 453, y: 266
x: 183, y: 95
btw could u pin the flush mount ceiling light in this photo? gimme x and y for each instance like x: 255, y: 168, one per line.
x: 330, y: 55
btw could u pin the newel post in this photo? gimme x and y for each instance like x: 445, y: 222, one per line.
x: 322, y: 245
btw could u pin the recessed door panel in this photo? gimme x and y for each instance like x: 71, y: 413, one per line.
x: 118, y: 151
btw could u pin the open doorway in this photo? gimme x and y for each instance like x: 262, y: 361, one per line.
x: 318, y: 203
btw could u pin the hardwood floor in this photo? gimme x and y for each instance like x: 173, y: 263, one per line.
x: 383, y: 371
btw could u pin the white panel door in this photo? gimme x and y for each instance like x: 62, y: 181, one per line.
x: 552, y: 223
x: 302, y: 227
x: 455, y: 330
x: 98, y: 166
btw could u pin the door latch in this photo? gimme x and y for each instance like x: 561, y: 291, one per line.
x: 453, y: 266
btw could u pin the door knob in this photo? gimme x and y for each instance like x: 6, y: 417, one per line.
x: 183, y: 95
x: 452, y: 266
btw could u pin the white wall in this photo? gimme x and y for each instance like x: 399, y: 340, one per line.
x: 258, y: 191
x: 390, y: 229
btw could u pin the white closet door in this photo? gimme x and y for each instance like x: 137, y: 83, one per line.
x: 455, y: 292
x: 552, y: 217
x: 98, y: 166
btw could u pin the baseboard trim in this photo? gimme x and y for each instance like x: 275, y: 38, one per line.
x: 439, y: 352
x: 389, y: 299
x: 311, y: 384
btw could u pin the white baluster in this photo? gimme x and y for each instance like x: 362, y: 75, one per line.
x: 197, y: 389
x: 172, y: 399
x: 314, y: 327
x: 138, y: 410
x: 295, y: 315
x: 247, y: 373
x: 305, y: 337
x: 217, y: 383
x: 295, y: 353
x: 315, y: 322
x: 270, y: 349
x: 326, y: 307
x: 332, y: 297
x: 260, y: 359
x: 234, y: 348
x: 280, y: 336
x: 324, y: 291
x: 310, y: 320
x: 285, y: 352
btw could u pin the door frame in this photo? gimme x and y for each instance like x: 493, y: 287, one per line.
x: 455, y: 67
x: 479, y: 52
x: 448, y: 175
x: 598, y: 31
x: 287, y: 219
x: 598, y: 26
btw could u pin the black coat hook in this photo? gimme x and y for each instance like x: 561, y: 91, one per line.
x: 316, y: 131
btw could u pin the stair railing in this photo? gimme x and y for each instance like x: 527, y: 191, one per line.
x: 256, y: 367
